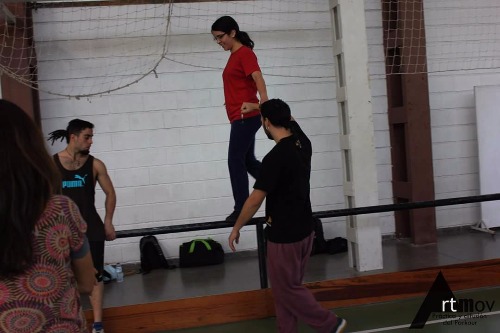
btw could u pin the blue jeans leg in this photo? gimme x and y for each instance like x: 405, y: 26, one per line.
x: 241, y: 157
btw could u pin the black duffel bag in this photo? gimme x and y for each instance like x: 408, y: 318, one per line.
x: 200, y: 252
x: 336, y: 245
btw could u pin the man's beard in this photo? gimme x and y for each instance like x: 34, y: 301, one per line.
x: 85, y: 152
x: 269, y: 136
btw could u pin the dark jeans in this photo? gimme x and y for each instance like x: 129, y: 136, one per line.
x: 241, y: 157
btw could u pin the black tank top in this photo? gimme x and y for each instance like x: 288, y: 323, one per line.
x: 80, y: 187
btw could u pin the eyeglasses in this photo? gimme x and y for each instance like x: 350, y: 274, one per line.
x: 218, y: 38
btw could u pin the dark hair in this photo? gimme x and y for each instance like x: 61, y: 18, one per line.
x: 74, y: 127
x: 227, y: 24
x: 277, y: 111
x: 29, y: 178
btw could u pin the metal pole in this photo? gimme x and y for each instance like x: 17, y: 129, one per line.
x: 261, y: 249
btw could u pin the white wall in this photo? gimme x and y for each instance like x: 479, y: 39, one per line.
x: 164, y: 140
x: 373, y: 17
x: 460, y: 38
x: 462, y: 50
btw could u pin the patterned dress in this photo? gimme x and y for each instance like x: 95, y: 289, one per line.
x: 45, y: 298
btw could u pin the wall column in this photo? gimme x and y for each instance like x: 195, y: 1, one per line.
x: 409, y: 118
x: 356, y: 132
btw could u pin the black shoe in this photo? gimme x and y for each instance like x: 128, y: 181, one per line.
x: 233, y: 216
x: 341, y: 325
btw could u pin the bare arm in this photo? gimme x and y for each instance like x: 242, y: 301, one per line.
x: 261, y: 88
x: 110, y: 202
x: 251, y: 206
x: 84, y: 271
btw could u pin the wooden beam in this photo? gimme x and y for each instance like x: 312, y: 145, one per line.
x: 7, y: 15
x: 258, y: 304
x: 186, y: 313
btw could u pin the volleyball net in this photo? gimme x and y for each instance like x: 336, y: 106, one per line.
x: 87, y: 48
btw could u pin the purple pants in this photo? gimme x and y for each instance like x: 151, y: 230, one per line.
x: 293, y: 301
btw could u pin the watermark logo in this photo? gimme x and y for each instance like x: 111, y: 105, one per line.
x: 441, y: 304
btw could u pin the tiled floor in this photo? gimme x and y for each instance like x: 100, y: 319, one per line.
x: 240, y: 271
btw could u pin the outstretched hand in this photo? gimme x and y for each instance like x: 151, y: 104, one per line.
x: 234, y: 237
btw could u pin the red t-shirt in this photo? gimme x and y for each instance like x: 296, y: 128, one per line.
x: 239, y: 85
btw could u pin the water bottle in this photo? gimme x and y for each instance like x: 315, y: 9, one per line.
x: 119, y: 273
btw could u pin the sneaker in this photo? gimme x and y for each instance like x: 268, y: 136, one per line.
x: 341, y: 325
x: 233, y: 216
x: 97, y: 328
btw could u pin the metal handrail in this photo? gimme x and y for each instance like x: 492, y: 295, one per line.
x: 259, y: 221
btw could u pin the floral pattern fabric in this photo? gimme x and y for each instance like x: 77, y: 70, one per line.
x: 45, y: 298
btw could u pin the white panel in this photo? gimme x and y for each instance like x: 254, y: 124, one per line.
x: 488, y: 137
x: 363, y: 232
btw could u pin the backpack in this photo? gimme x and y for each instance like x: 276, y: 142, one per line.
x: 152, y: 255
x: 319, y: 242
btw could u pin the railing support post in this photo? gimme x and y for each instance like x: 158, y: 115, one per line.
x: 261, y: 249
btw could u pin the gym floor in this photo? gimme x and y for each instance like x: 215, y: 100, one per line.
x: 394, y: 317
x: 240, y: 272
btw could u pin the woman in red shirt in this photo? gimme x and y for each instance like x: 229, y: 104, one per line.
x: 242, y: 79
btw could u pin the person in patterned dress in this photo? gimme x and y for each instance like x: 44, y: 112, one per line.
x: 45, y: 262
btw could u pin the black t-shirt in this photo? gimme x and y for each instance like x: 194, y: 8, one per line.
x: 284, y: 176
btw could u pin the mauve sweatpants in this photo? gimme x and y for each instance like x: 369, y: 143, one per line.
x: 293, y: 301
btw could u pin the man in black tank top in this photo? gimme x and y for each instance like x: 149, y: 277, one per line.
x: 79, y: 172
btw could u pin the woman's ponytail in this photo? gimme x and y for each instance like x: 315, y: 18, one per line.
x: 244, y: 39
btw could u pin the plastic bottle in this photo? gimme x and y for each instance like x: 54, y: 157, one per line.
x: 119, y: 273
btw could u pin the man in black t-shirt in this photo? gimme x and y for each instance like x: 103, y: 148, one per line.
x: 284, y: 181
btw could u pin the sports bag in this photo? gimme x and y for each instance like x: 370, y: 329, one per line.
x: 336, y: 245
x: 200, y: 252
x: 152, y: 255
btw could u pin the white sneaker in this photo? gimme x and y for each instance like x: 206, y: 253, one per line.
x: 98, y: 331
x: 341, y: 325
